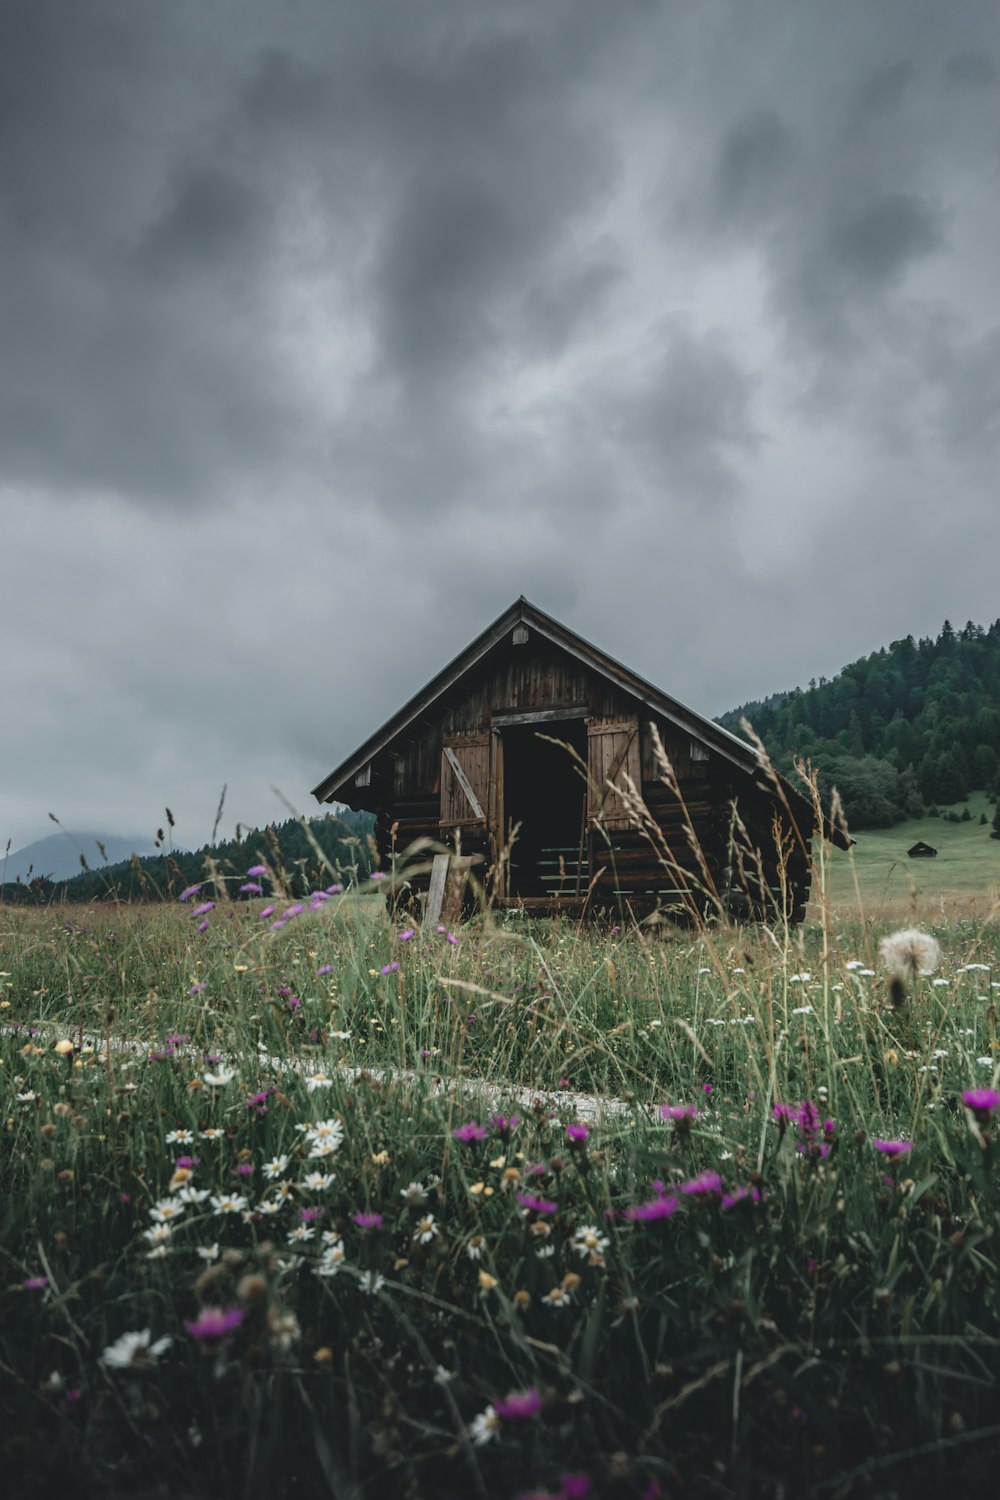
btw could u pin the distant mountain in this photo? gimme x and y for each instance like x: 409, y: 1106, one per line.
x: 58, y: 856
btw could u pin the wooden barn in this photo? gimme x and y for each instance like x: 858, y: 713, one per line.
x: 519, y: 757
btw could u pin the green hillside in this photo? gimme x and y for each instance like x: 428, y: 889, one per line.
x: 967, y: 862
x: 913, y: 726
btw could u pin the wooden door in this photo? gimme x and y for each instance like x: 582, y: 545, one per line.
x: 465, y: 782
x: 612, y: 753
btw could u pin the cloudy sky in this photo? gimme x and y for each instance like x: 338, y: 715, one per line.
x: 326, y: 330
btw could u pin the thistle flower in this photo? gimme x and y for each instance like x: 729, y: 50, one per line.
x: 518, y: 1405
x: 982, y: 1102
x: 534, y: 1204
x: 659, y: 1208
x: 367, y: 1220
x: 469, y: 1132
x: 214, y: 1323
x: 893, y: 1148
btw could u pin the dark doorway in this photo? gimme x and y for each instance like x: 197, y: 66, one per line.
x: 545, y: 792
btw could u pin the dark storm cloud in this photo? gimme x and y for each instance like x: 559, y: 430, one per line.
x: 690, y: 420
x: 328, y: 330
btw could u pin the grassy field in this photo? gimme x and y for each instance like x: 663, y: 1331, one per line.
x: 965, y: 871
x: 234, y: 1265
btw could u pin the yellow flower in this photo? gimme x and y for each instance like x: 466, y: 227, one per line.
x: 240, y: 968
x: 486, y: 1281
x: 477, y: 1188
x: 381, y: 1158
x: 892, y: 1057
x: 498, y: 1161
x: 323, y: 1356
x: 64, y: 1048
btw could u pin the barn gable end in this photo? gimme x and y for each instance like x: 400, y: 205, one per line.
x: 522, y: 750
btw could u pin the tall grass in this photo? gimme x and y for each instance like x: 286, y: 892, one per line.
x: 819, y: 1317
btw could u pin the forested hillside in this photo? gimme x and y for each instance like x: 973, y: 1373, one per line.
x: 904, y: 731
x: 343, y: 838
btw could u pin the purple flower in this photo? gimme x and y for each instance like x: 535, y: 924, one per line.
x: 295, y: 910
x: 388, y: 968
x: 277, y: 924
x: 660, y: 1208
x: 537, y: 1205
x: 378, y: 875
x: 705, y: 1182
x: 267, y: 912
x: 707, y: 1088
x: 681, y: 1114
x: 518, y: 1405
x: 245, y: 1169
x: 324, y: 969
x: 214, y: 1322
x: 206, y: 906
x: 202, y: 925
x: 981, y: 1101
x: 783, y: 1113
x: 197, y: 988
x: 367, y: 1220
x: 893, y: 1148
x: 334, y: 890
x: 576, y: 1486
x: 189, y: 891
x: 251, y: 886
x: 577, y: 1134
x: 35, y: 1283
x: 741, y: 1195
x: 504, y: 1124
x: 257, y: 870
x: 470, y: 1132
x: 186, y: 1163
x: 404, y: 937
x: 309, y: 1215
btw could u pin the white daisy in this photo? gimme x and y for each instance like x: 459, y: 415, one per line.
x: 588, y: 1240
x: 485, y: 1427
x: 208, y: 1253
x: 269, y: 1206
x: 166, y: 1209
x: 179, y: 1137
x: 317, y: 1182
x: 275, y: 1167
x: 134, y: 1350
x: 160, y: 1235
x: 300, y: 1233
x: 228, y: 1203
x: 426, y: 1230
x: 190, y: 1194
x: 371, y: 1282
x: 220, y: 1079
x: 213, y: 1133
x: 317, y: 1081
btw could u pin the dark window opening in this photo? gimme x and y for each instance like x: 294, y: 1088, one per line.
x: 546, y: 793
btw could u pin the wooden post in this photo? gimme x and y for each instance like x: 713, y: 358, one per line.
x: 439, y: 881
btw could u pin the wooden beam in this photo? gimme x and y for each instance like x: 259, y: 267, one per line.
x: 540, y: 715
x: 463, y: 781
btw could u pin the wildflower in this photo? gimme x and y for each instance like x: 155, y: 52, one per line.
x: 414, y: 1194
x: 474, y: 1248
x: 681, y: 1114
x: 533, y: 1204
x: 284, y: 1330
x: 388, y: 968
x: 275, y: 1167
x: 159, y: 1236
x: 982, y: 1102
x: 741, y: 1194
x: 208, y: 1253
x: 404, y: 937
x: 485, y: 1427
x: 504, y: 1125
x: 189, y: 891
x: 371, y: 1282
x: 269, y: 1207
x: 300, y: 1234
x: 317, y: 1182
x: 325, y: 1130
x: 35, y: 1283
x: 267, y: 911
x: 257, y: 869
x: 705, y: 1182
x: 134, y: 1351
x: 251, y: 888
x: 203, y: 909
x: 228, y: 1203
x: 659, y: 1208
x: 426, y: 1230
x: 577, y: 1134
x: 317, y: 1081
x: 893, y: 1148
x: 470, y: 1132
x: 64, y: 1047
x: 367, y: 1220
x: 518, y: 1405
x: 381, y: 1158
x: 324, y: 969
x: 220, y: 1079
x: 211, y: 1133
x: 214, y: 1323
x: 179, y: 1137
x: 559, y: 1296
x: 165, y: 1210
x: 588, y: 1240
x: 486, y: 1281
x: 909, y: 953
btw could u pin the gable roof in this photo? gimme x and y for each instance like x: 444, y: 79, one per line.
x: 524, y: 613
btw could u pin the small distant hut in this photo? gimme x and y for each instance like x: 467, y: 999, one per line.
x: 522, y: 755
x: 920, y: 850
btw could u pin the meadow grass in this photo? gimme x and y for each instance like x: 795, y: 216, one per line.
x: 270, y: 1226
